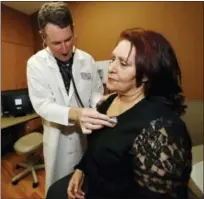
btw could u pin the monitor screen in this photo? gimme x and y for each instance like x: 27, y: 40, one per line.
x: 16, y: 103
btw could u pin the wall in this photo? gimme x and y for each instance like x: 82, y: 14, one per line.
x: 37, y: 38
x: 17, y: 46
x: 98, y: 25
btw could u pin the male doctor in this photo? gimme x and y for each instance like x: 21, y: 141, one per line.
x: 54, y: 95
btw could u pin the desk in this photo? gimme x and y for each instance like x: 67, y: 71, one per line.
x: 12, y: 121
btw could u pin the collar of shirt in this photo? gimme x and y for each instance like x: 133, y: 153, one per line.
x: 65, y: 63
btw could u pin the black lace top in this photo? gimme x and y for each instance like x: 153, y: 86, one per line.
x: 146, y: 155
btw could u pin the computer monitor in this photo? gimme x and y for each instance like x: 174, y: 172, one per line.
x: 16, y: 103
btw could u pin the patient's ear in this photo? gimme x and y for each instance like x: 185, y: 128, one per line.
x: 145, y: 79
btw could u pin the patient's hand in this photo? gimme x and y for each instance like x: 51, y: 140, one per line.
x: 74, y: 188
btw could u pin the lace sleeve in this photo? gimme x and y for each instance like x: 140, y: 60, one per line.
x: 162, y: 158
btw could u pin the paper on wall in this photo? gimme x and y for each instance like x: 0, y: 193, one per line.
x: 103, y: 69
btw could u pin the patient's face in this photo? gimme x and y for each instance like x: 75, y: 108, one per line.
x: 122, y: 71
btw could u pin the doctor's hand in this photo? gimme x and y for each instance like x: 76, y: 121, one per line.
x: 90, y: 119
x: 74, y: 187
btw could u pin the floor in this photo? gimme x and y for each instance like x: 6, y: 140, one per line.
x: 24, y: 188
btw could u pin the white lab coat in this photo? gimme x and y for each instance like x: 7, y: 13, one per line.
x: 50, y: 100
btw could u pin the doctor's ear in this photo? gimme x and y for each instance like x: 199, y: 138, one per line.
x: 75, y: 39
x: 42, y: 34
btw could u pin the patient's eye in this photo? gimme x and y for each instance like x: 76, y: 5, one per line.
x: 112, y: 59
x: 123, y: 63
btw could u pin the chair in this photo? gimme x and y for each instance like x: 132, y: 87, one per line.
x: 194, y: 121
x: 28, y: 145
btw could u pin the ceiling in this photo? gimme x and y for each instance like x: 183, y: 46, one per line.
x: 27, y: 7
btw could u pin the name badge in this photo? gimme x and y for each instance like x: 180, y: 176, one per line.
x: 86, y: 76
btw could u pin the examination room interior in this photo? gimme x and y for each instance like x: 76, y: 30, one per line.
x: 97, y: 26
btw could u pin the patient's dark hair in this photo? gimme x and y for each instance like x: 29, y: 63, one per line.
x: 156, y: 60
x: 56, y: 13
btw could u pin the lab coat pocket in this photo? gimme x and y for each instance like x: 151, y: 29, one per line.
x: 79, y: 143
x: 50, y: 136
x: 75, y: 157
x: 85, y: 91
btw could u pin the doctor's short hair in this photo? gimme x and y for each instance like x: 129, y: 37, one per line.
x: 56, y: 13
x: 156, y: 62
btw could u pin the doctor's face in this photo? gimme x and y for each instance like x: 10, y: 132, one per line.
x: 59, y: 40
x: 122, y: 70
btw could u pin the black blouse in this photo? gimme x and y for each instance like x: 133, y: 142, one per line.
x: 146, y: 155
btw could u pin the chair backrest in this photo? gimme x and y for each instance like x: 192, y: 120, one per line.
x: 194, y: 121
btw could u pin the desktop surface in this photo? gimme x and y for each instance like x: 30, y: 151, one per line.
x: 11, y: 121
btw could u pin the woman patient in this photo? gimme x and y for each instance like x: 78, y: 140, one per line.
x: 147, y: 155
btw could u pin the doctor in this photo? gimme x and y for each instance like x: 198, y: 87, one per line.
x: 54, y: 95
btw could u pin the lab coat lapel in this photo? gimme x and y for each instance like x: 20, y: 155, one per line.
x: 76, y: 68
x: 55, y: 70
